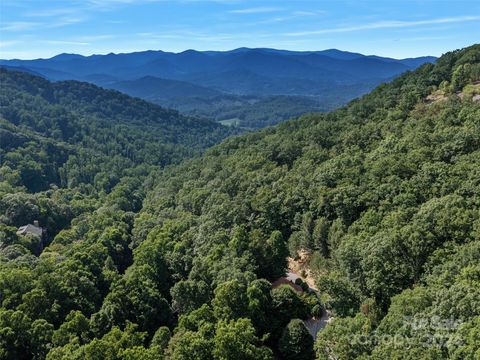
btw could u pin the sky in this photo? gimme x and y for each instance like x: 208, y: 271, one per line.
x: 395, y: 28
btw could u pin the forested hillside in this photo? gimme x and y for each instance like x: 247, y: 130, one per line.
x: 68, y: 149
x: 219, y: 84
x: 71, y: 133
x: 384, y: 194
x: 250, y: 112
x: 246, y: 111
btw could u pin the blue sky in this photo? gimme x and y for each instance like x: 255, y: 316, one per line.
x: 401, y: 28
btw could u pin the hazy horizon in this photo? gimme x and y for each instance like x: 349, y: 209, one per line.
x: 41, y: 29
x: 227, y: 50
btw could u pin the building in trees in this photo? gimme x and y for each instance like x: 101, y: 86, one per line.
x: 33, y: 229
x: 286, y: 281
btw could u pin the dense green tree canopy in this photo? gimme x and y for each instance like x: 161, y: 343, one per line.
x: 152, y: 262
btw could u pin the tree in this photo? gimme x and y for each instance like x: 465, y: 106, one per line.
x: 236, y: 340
x: 161, y: 338
x: 320, y: 236
x: 41, y: 338
x: 468, y: 341
x: 259, y: 304
x: 15, y: 341
x: 286, y: 305
x: 136, y: 298
x: 345, y: 338
x: 190, y: 345
x: 296, y: 342
x: 187, y: 295
x: 14, y: 283
x: 230, y: 301
x: 111, y: 346
x: 460, y: 76
x: 141, y: 353
x: 76, y: 327
x: 200, y: 318
x: 270, y: 253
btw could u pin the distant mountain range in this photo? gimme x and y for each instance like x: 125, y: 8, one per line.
x: 329, y: 78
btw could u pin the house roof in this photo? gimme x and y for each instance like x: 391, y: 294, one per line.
x: 285, y: 281
x: 30, y: 229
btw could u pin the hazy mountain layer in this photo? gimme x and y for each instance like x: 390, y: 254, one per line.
x: 329, y: 78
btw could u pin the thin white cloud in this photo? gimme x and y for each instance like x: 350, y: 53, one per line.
x: 64, y: 21
x: 51, y: 12
x: 7, y: 43
x: 65, y: 42
x: 112, y: 2
x: 192, y: 35
x: 255, y: 10
x: 93, y: 38
x: 293, y: 16
x: 16, y: 54
x: 308, y: 13
x: 425, y: 38
x: 79, y: 40
x: 19, y: 26
x: 386, y: 25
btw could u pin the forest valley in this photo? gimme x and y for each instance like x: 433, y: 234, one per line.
x: 152, y: 242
